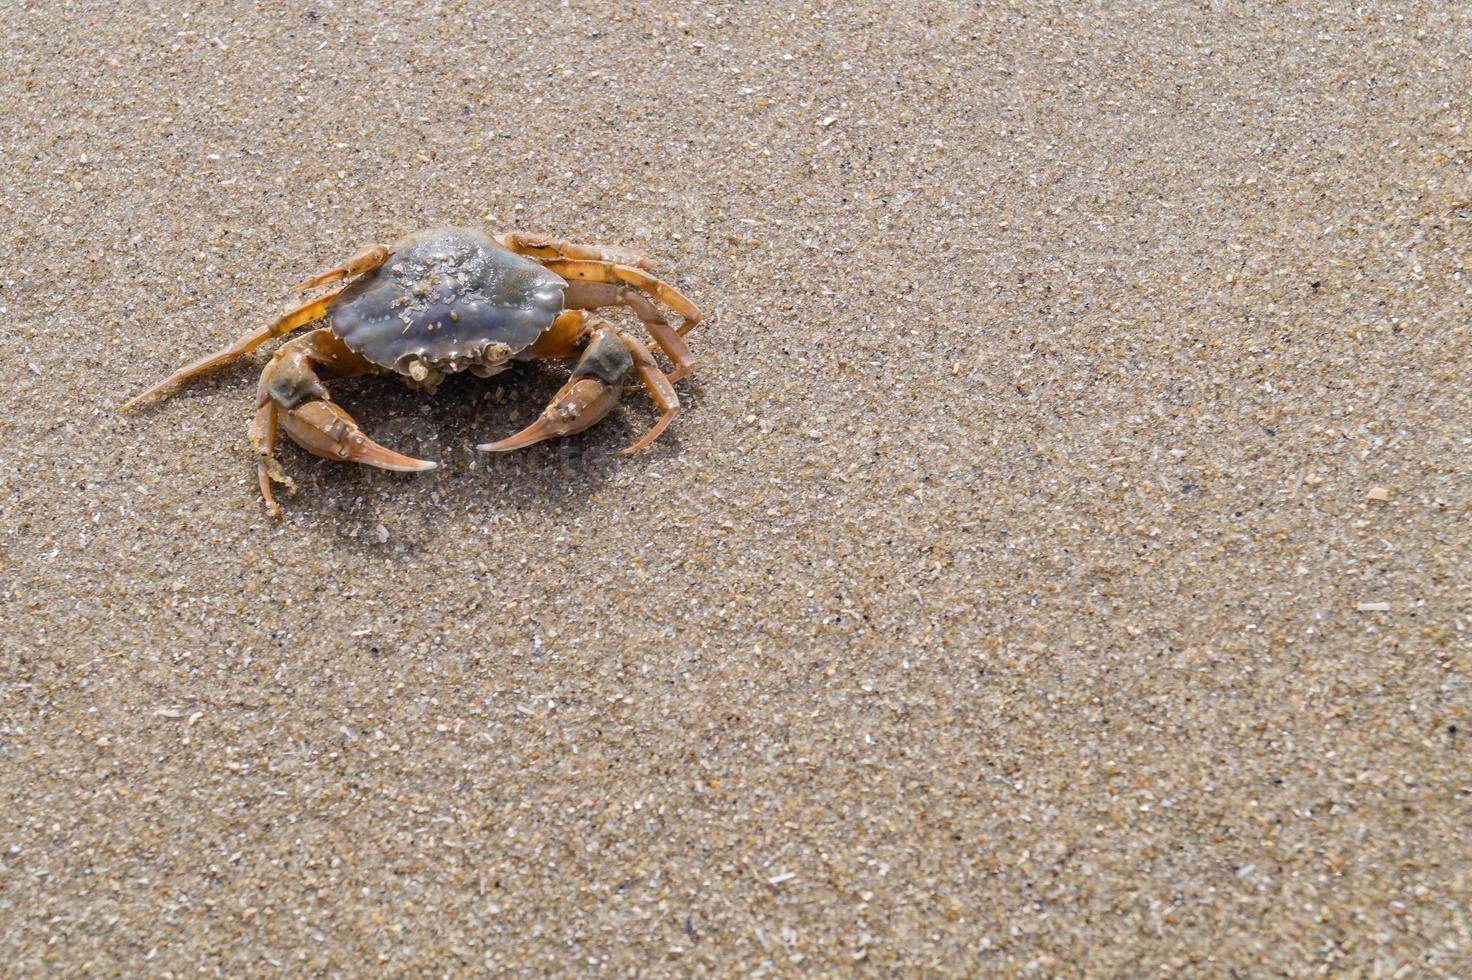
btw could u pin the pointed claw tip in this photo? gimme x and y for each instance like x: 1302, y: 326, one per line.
x: 138, y: 399
x: 404, y: 464
x: 510, y: 443
x: 539, y: 431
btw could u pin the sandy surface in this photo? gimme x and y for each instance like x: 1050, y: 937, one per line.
x: 1008, y: 599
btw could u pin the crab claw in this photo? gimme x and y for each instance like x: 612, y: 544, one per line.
x: 577, y: 405
x: 322, y: 428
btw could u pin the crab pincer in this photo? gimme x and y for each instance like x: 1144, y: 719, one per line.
x: 324, y: 429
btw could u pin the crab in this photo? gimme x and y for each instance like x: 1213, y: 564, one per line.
x: 446, y: 300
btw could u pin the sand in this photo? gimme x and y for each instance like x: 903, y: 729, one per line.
x: 1061, y: 566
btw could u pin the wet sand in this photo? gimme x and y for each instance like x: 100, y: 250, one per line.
x: 1060, y: 567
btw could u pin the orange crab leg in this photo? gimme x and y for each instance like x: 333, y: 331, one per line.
x: 367, y: 260
x: 582, y: 294
x: 263, y: 437
x: 659, y: 389
x: 298, y: 317
x: 594, y: 271
x: 542, y: 247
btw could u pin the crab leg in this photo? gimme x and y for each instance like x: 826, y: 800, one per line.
x: 367, y: 260
x: 291, y: 393
x: 659, y: 389
x: 298, y: 317
x: 542, y: 247
x: 581, y: 294
x: 595, y: 271
x: 263, y: 438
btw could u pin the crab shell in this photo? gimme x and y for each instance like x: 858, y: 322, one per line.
x: 447, y: 300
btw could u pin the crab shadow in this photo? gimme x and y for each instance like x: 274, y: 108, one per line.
x: 420, y: 510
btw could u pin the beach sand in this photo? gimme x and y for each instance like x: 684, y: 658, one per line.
x: 1061, y: 565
